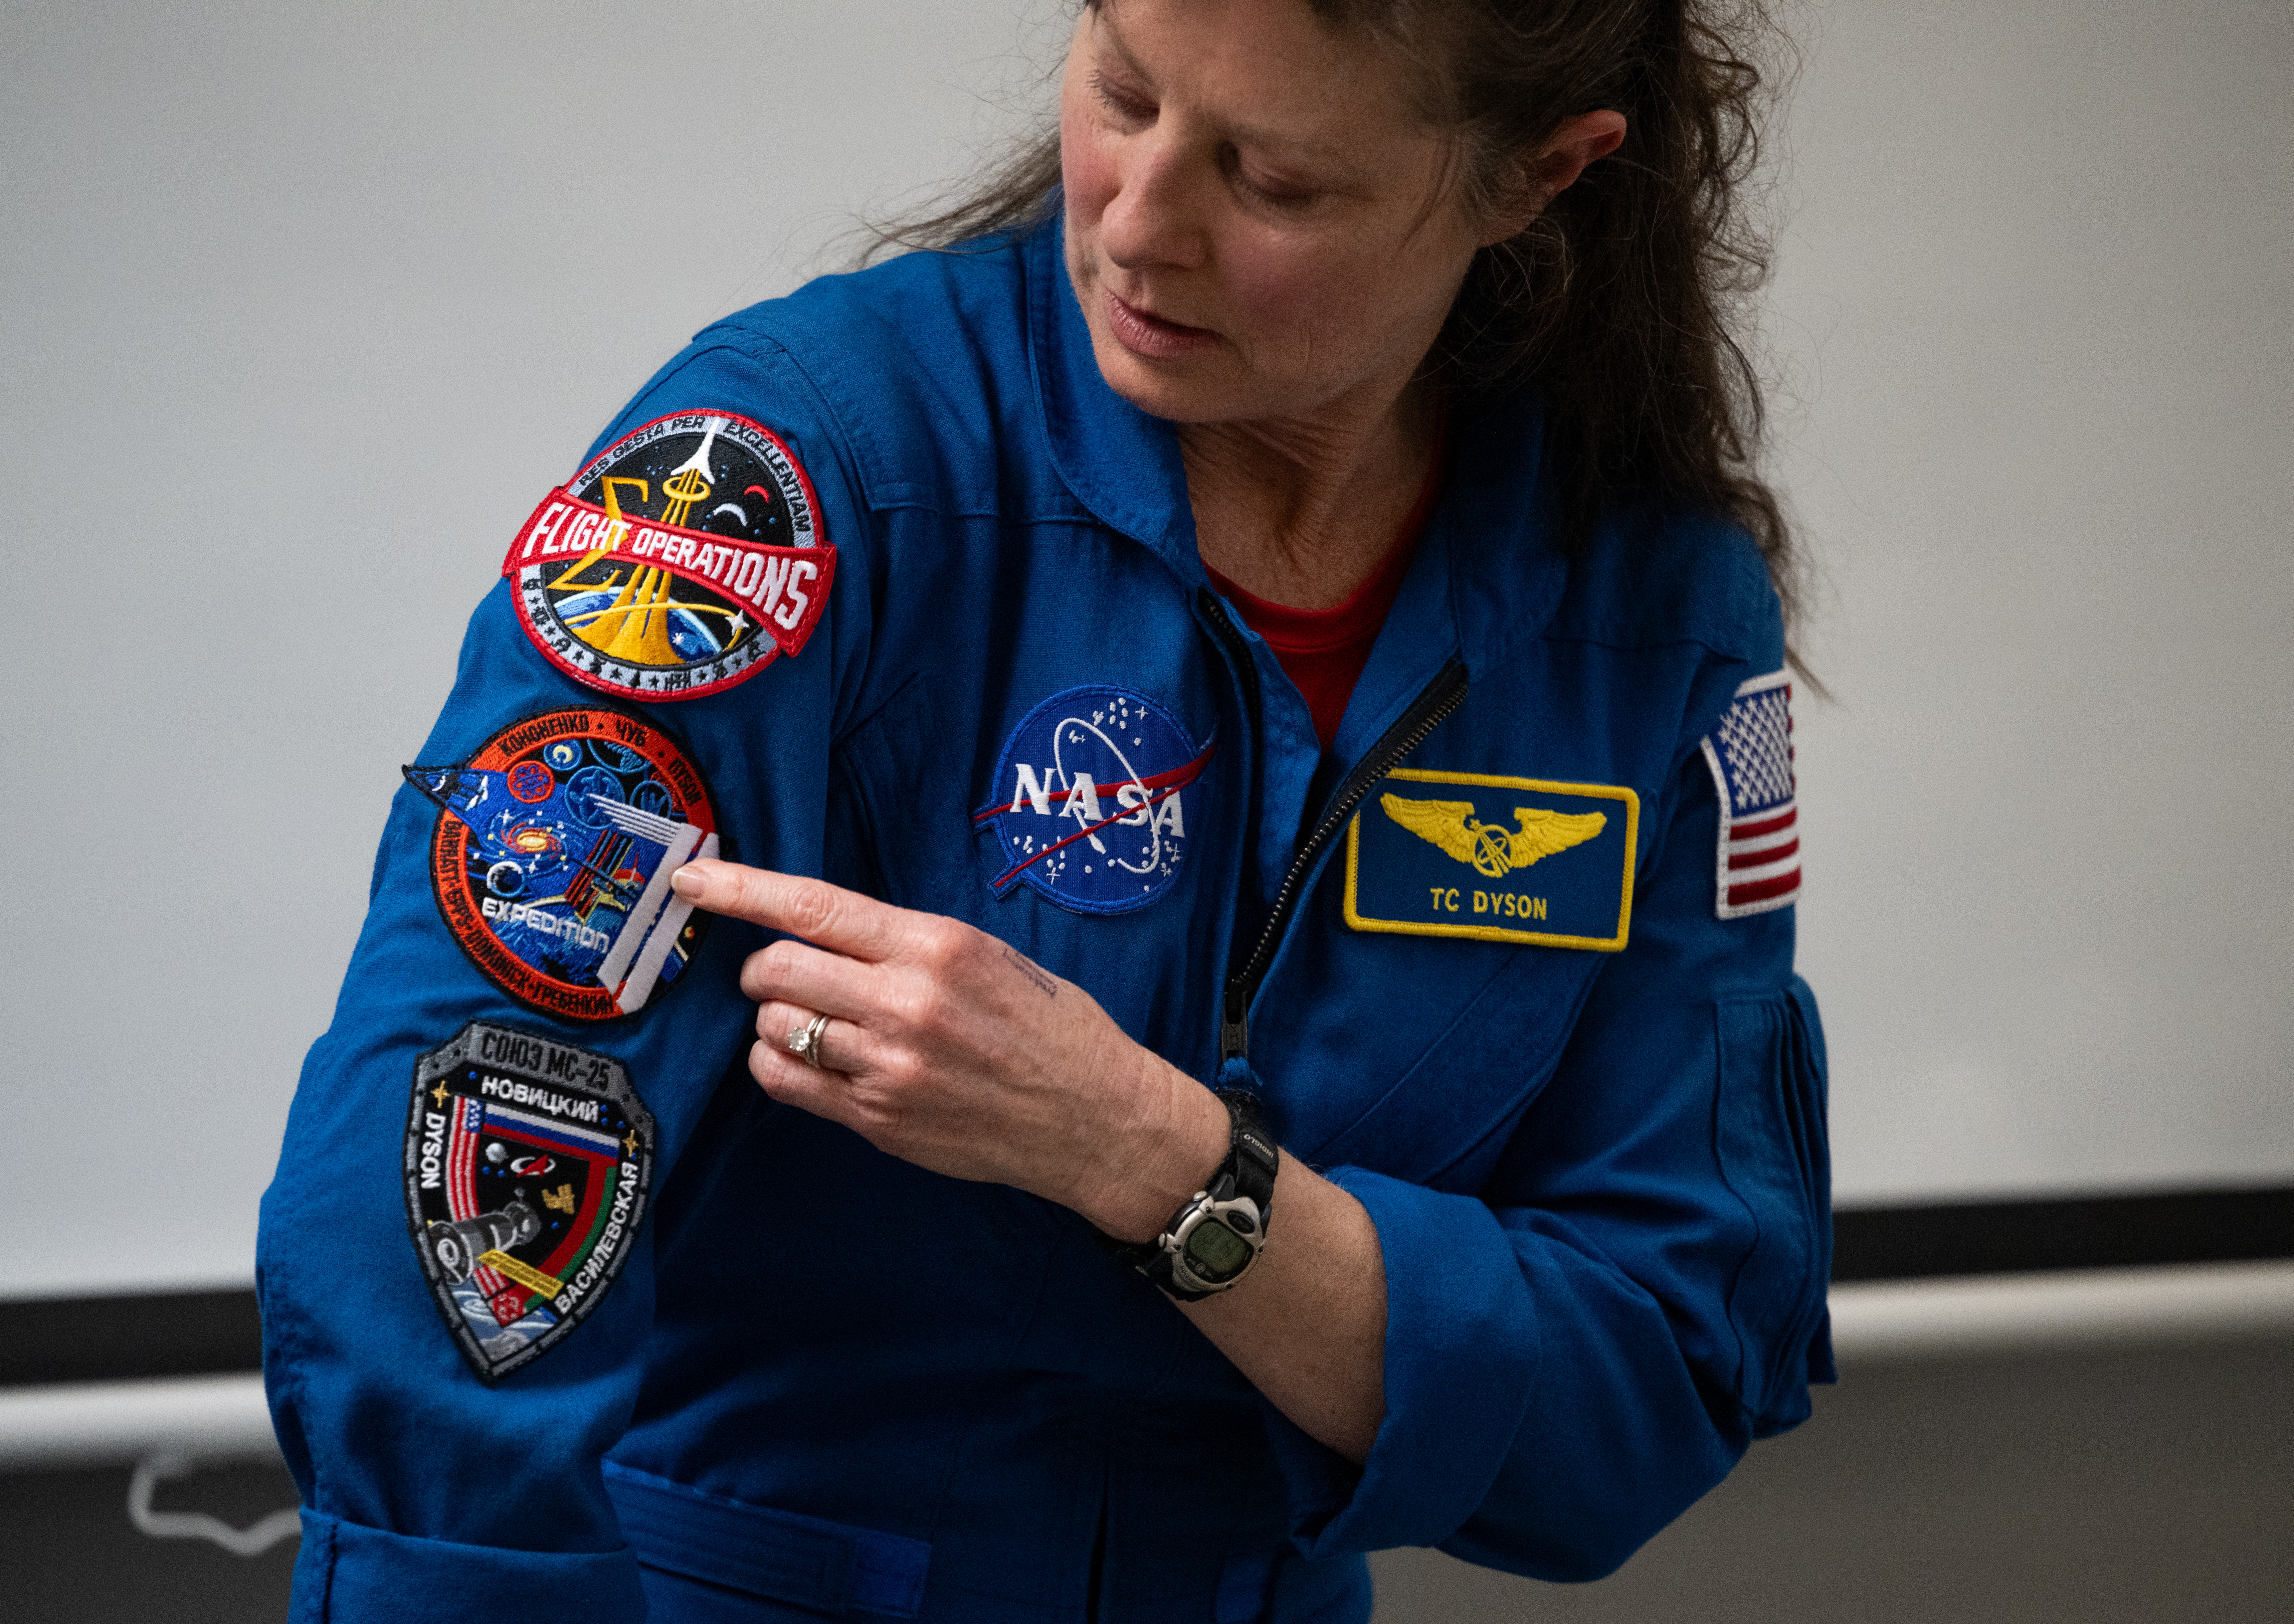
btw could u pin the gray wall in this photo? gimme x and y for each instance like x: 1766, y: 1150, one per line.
x: 2038, y: 300
x: 305, y: 305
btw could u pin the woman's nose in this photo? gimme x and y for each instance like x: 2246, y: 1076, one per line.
x: 1154, y: 218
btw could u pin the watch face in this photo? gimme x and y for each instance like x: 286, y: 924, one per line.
x: 1216, y: 1252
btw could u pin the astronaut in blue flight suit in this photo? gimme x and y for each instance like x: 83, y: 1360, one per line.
x: 864, y: 720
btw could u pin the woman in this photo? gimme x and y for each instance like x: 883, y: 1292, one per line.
x: 1251, y: 695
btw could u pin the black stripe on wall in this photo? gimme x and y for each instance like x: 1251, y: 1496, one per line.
x: 175, y: 1333
x: 1987, y: 1238
x: 122, y: 1339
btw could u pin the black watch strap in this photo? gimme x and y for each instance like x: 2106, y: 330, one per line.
x: 1247, y: 1175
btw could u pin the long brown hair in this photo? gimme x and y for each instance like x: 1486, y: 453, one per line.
x: 1622, y: 300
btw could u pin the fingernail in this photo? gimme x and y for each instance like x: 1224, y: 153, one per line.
x: 686, y: 881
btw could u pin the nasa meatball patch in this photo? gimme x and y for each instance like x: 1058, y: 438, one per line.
x: 1093, y: 800
x: 551, y: 855
x: 527, y: 1165
x: 686, y: 558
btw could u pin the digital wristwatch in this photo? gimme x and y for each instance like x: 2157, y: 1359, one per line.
x: 1212, y: 1240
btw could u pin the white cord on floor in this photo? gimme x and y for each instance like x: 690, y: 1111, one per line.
x: 154, y: 1469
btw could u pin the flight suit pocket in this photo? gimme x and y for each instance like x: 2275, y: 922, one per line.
x: 1770, y: 1134
x: 761, y: 1551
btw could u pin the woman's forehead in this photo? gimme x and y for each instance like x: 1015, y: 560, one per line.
x: 1270, y: 72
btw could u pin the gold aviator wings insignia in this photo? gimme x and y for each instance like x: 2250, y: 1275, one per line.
x: 1543, y: 832
x: 1491, y: 847
x: 1447, y: 824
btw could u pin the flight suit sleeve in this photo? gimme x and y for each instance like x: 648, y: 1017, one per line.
x: 455, y: 1267
x: 1578, y: 1351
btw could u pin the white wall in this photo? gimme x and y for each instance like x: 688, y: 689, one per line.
x: 2040, y: 293
x: 303, y: 307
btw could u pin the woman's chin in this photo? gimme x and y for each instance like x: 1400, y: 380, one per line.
x: 1197, y: 388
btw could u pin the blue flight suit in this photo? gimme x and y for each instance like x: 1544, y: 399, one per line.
x: 826, y: 1382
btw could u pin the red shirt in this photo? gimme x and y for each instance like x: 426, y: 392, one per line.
x: 1323, y: 651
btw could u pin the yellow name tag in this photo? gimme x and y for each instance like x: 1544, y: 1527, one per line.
x: 1495, y: 859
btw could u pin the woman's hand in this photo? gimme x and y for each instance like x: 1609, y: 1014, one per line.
x: 948, y: 1048
x: 945, y: 1048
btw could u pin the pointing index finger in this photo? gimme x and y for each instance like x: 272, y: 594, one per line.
x: 814, y: 911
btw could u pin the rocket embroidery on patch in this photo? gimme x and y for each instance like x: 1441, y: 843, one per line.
x: 1750, y: 756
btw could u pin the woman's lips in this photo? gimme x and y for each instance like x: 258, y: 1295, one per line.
x: 1151, y: 336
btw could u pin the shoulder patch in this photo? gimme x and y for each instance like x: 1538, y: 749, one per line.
x: 1422, y: 861
x: 1094, y: 816
x: 527, y: 1167
x: 686, y: 558
x: 1751, y: 757
x: 551, y: 855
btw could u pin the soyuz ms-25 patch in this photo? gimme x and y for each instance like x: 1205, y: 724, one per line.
x: 528, y: 1163
x: 684, y: 558
x: 551, y: 856
x: 1094, y: 808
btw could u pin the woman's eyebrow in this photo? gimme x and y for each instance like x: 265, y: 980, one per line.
x: 1286, y: 145
x: 1104, y: 23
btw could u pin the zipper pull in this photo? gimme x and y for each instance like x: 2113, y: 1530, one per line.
x: 1235, y: 1026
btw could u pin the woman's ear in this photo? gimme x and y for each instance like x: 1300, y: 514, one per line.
x: 1550, y: 170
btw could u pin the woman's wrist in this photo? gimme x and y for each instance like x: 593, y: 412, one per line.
x: 1146, y: 1171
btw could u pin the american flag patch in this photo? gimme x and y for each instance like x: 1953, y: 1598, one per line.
x: 1750, y: 756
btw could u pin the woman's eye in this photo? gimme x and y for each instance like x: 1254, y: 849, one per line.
x: 1267, y: 194
x: 1129, y: 108
x: 1277, y: 197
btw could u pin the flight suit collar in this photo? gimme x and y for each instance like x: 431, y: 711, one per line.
x: 1121, y: 463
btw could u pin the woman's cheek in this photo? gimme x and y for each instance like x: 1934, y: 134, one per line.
x: 1289, y: 315
x: 1089, y: 172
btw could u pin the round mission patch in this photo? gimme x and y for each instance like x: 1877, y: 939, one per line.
x: 1095, y: 816
x: 551, y: 855
x: 686, y: 558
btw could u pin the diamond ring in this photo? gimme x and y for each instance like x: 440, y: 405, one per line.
x: 805, y: 1040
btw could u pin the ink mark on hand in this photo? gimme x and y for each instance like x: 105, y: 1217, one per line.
x: 1033, y: 971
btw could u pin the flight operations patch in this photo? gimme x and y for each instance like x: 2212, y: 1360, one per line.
x: 684, y: 558
x: 1422, y: 860
x: 551, y: 855
x: 527, y: 1167
x: 1095, y: 816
